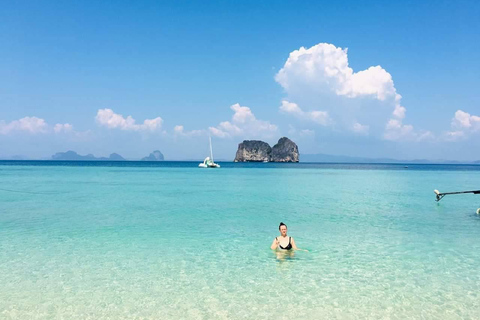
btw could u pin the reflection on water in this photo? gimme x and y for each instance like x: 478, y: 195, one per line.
x: 284, y: 256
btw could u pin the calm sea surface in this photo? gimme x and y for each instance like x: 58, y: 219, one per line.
x: 133, y: 240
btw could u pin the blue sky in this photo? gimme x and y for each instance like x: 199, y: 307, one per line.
x: 407, y: 87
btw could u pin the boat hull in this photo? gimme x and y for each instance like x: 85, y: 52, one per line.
x: 202, y: 165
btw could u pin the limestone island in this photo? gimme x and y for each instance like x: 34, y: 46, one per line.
x: 258, y: 151
x: 73, y: 156
x: 154, y: 156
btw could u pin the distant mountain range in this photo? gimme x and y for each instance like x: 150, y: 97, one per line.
x: 320, y: 157
x: 73, y: 156
x: 346, y: 159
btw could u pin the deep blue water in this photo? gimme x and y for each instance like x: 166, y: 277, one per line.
x: 253, y: 165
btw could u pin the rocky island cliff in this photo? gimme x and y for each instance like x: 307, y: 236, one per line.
x: 258, y: 151
x: 154, y: 156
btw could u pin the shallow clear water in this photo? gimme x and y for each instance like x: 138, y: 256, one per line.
x: 172, y: 241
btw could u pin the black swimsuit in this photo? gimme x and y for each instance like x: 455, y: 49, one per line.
x: 288, y: 247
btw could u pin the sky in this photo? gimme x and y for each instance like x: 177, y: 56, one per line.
x: 394, y: 79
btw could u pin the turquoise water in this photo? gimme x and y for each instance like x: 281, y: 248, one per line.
x: 172, y: 241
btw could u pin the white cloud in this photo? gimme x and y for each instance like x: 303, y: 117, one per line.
x: 218, y: 133
x: 360, y: 128
x: 242, y: 114
x: 464, y: 120
x: 320, y: 117
x: 463, y: 124
x: 65, y: 127
x: 425, y: 136
x: 230, y: 128
x: 244, y: 123
x: 151, y: 124
x: 395, y: 130
x: 399, y: 112
x: 179, y: 131
x: 109, y: 119
x: 307, y: 132
x: 31, y: 125
x: 34, y: 125
x: 454, y: 135
x: 292, y: 131
x: 290, y: 107
x: 322, y: 75
x: 374, y: 81
x: 325, y: 67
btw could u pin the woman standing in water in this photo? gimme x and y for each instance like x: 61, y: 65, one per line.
x: 284, y: 243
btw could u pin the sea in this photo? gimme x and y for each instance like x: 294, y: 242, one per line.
x: 169, y: 240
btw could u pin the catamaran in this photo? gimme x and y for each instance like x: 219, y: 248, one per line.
x: 208, y: 162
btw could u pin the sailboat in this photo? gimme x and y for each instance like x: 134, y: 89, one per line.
x: 208, y: 162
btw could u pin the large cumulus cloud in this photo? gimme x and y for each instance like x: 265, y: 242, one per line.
x: 319, y: 79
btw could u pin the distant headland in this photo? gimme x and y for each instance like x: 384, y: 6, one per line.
x: 258, y: 151
x: 328, y: 158
x: 154, y: 156
x: 73, y: 156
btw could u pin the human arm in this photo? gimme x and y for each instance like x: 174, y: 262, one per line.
x: 274, y: 244
x: 294, y: 246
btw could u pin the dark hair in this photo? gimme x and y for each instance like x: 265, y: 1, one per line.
x: 282, y: 224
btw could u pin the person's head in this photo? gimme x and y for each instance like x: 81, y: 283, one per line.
x: 283, y: 229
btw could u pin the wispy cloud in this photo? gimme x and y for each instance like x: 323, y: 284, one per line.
x: 112, y: 120
x: 360, y: 128
x: 463, y: 125
x: 317, y: 116
x: 65, y: 127
x: 180, y: 131
x: 32, y: 125
x: 395, y: 130
x: 244, y: 124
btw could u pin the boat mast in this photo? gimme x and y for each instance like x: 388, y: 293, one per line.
x: 211, y: 152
